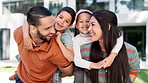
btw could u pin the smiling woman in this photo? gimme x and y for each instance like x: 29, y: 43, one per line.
x: 104, y: 34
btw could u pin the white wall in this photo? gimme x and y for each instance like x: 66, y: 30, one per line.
x: 12, y: 21
x: 133, y: 18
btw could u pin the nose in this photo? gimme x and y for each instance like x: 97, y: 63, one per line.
x: 90, y: 28
x: 62, y: 21
x: 85, y: 23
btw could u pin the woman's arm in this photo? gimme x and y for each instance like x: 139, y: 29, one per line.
x: 134, y: 63
x: 133, y: 77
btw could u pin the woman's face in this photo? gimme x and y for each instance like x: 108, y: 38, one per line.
x: 95, y: 30
x: 83, y: 23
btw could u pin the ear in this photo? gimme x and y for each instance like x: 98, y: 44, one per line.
x: 32, y: 29
x: 109, y: 26
x: 76, y: 26
x: 70, y: 26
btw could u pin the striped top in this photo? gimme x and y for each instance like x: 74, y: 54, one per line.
x: 133, y: 60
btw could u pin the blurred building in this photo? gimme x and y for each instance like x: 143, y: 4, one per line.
x: 12, y: 15
x: 132, y: 18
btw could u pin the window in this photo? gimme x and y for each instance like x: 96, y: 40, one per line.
x: 92, y: 4
x: 20, y: 6
x: 125, y: 6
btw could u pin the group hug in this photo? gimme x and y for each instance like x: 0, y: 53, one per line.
x: 98, y: 54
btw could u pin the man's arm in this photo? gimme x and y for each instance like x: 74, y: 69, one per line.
x: 67, y: 71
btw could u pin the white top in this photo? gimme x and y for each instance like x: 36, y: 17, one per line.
x: 81, y: 39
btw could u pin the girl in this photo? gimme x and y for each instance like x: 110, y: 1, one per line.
x: 104, y: 33
x: 82, y: 24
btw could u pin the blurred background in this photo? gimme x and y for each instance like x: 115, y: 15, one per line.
x: 132, y: 19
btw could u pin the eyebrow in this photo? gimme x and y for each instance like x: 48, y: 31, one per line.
x: 48, y: 27
x: 66, y: 18
x: 92, y: 22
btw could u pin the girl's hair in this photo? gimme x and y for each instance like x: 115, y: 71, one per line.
x: 118, y: 71
x: 77, y: 16
x: 70, y: 11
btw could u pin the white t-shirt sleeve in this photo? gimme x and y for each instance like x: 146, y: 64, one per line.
x: 118, y: 45
x: 77, y: 55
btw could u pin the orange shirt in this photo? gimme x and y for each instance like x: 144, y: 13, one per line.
x: 38, y: 66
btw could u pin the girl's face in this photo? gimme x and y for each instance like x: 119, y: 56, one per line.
x: 83, y: 23
x: 63, y: 21
x: 95, y: 30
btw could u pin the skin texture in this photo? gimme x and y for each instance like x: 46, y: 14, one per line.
x: 83, y: 23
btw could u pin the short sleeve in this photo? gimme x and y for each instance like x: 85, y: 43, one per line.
x: 134, y: 61
x: 67, y: 38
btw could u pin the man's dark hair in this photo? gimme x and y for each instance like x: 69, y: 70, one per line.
x: 36, y: 13
x: 70, y: 11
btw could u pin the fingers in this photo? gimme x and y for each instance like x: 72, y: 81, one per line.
x: 33, y: 44
x: 106, y: 64
x: 30, y: 46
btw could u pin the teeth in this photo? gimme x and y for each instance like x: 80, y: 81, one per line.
x: 85, y: 28
x: 60, y: 26
x: 91, y: 34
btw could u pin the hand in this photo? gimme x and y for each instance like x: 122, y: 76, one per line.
x: 28, y: 42
x: 58, y: 37
x: 97, y: 65
x: 109, y: 60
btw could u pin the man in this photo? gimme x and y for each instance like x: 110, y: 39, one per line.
x: 38, y: 66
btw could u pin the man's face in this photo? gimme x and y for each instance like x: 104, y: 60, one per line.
x: 46, y: 30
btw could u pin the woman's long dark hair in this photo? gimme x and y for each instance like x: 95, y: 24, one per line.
x: 118, y: 72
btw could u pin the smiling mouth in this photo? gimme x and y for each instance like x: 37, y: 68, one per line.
x: 49, y: 36
x: 59, y: 25
x: 91, y: 34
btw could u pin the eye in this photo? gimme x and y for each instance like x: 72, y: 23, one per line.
x: 60, y: 17
x: 48, y: 28
x: 67, y: 21
x: 80, y: 21
x: 87, y: 21
x: 93, y: 24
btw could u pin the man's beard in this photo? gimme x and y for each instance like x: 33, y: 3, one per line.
x: 39, y: 35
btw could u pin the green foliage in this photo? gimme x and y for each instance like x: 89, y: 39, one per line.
x: 8, y: 69
x: 142, y: 76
